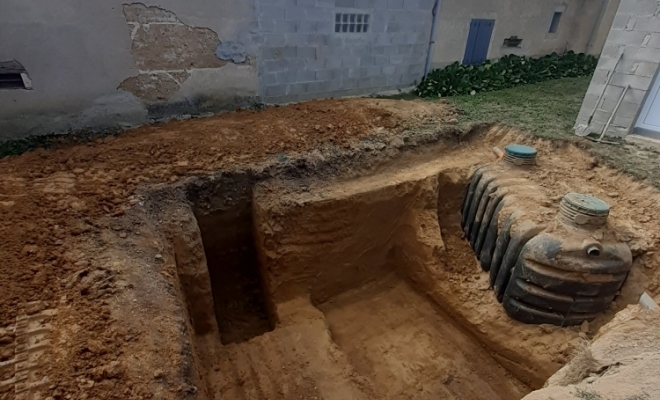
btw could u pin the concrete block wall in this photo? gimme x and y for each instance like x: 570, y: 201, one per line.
x: 303, y: 58
x: 635, y: 33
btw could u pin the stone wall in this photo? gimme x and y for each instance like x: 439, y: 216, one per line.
x: 635, y: 33
x: 111, y: 65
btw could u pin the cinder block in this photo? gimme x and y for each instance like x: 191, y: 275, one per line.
x: 381, y: 61
x: 365, y: 82
x: 305, y: 75
x: 294, y: 14
x: 297, y: 64
x: 655, y: 41
x: 648, y: 53
x: 393, y: 27
x: 297, y: 88
x: 325, y: 74
x: 380, y: 4
x: 389, y: 70
x: 397, y: 59
x: 600, y: 76
x: 421, y: 48
x: 638, y: 7
x: 366, y: 61
x: 394, y: 80
x: 276, y: 90
x: 325, y: 27
x: 364, y: 4
x: 410, y: 79
x: 333, y: 63
x: 269, y: 53
x: 611, y: 50
x: 271, y: 11
x: 325, y: 3
x: 645, y: 68
x: 306, y: 52
x: 345, y: 3
x: 350, y: 62
x: 268, y: 79
x: 379, y: 82
x: 425, y: 5
x: 416, y: 69
x: 410, y: 4
x: 306, y: 3
x: 284, y: 26
x: 405, y: 49
x: 349, y: 83
x: 607, y: 63
x: 626, y: 108
x: 318, y: 14
x: 383, y: 39
x: 395, y: 4
x: 294, y: 39
x: 316, y: 87
x: 623, y: 121
x: 335, y: 41
x: 635, y: 82
x: 647, y: 24
x: 620, y: 21
x: 267, y: 25
x: 333, y: 85
x: 274, y: 40
x: 274, y: 65
x: 317, y: 39
x: 307, y: 26
x: 374, y: 71
x: 314, y: 64
x: 628, y: 38
x: 635, y: 96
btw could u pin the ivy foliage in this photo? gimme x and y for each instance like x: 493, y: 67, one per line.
x: 509, y: 71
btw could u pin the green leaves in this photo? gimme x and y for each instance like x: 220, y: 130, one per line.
x: 508, y: 71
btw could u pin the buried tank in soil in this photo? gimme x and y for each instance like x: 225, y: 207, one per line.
x: 545, y: 266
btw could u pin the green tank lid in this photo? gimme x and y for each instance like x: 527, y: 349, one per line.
x: 520, y: 151
x: 588, y: 203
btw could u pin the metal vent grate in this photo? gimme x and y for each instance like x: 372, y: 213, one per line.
x: 351, y: 23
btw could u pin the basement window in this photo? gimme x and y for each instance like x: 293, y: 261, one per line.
x: 554, y: 25
x: 513, y: 41
x: 14, y: 76
x: 351, y: 23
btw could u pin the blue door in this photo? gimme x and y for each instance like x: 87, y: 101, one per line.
x: 476, y: 50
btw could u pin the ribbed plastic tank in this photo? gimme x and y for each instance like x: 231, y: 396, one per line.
x: 545, y: 265
x: 486, y: 196
x: 565, y: 276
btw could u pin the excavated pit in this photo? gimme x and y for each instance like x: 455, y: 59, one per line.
x: 362, y: 289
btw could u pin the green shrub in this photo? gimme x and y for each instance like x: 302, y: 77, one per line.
x: 508, y: 71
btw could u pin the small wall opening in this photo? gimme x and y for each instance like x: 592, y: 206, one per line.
x: 241, y: 305
x: 554, y: 25
x: 14, y: 76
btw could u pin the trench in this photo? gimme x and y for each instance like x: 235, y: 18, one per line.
x: 334, y: 296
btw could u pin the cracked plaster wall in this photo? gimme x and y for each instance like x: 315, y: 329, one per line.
x: 113, y: 64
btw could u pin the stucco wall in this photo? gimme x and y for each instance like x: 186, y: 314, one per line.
x: 528, y: 19
x: 635, y: 32
x: 106, y: 64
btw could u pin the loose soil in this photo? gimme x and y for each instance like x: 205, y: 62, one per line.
x: 340, y: 229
